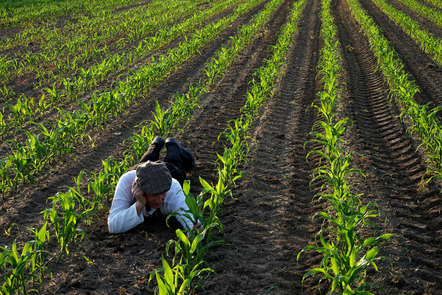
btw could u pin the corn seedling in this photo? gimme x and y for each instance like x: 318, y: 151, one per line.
x: 29, y: 265
x: 346, y: 254
x: 402, y: 90
x: 66, y: 224
x: 426, y: 40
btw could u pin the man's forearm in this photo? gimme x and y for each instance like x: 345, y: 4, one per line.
x: 140, y: 207
x: 124, y: 220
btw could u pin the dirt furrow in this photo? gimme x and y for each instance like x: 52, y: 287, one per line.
x: 425, y: 24
x: 223, y: 103
x: 109, y: 141
x: 125, y: 266
x: 269, y: 222
x: 429, y: 4
x: 422, y: 68
x: 394, y: 169
x: 116, y: 77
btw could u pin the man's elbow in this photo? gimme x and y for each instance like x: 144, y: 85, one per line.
x: 113, y: 228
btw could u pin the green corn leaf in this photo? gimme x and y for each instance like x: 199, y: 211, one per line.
x: 372, y: 253
x: 205, y: 185
x: 192, y: 204
x: 182, y: 237
x: 369, y: 241
x: 27, y: 248
x: 334, y: 265
x: 323, y: 242
x: 315, y: 271
x: 14, y: 251
x: 195, y: 242
x: 186, y: 187
x: 168, y: 274
x: 323, y: 214
x: 161, y: 287
x: 184, y: 286
x: 352, y: 258
x: 385, y: 236
x: 42, y: 234
x: 374, y: 265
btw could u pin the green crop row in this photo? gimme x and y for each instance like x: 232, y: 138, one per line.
x: 41, y: 149
x: 346, y: 252
x: 426, y: 40
x: 424, y: 120
x: 436, y: 3
x: 70, y: 209
x: 432, y: 14
x: 28, y: 109
x: 14, y: 12
x: 91, y: 38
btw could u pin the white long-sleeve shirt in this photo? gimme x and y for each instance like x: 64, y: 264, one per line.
x: 123, y: 213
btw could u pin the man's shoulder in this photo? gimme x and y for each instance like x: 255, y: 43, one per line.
x: 128, y: 176
x: 175, y: 184
x: 175, y: 187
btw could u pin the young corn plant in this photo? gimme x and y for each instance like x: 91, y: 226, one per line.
x: 66, y: 224
x: 201, y: 210
x: 347, y: 254
x: 7, y: 183
x: 423, y: 121
x: 178, y: 278
x: 41, y: 236
x: 163, y: 120
x: 72, y: 126
x: 21, y: 273
x: 25, y: 267
x: 101, y: 188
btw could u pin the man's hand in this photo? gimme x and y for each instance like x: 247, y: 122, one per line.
x: 139, y: 196
x: 196, y: 229
x: 197, y: 226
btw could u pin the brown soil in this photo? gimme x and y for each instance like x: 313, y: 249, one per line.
x: 270, y: 219
x: 423, y: 69
x: 25, y: 85
x: 424, y: 23
x: 430, y: 4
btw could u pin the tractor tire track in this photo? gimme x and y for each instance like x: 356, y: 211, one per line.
x: 269, y: 221
x: 394, y: 170
x: 420, y: 65
x: 425, y: 24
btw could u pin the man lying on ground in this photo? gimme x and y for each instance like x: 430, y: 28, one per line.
x: 150, y: 185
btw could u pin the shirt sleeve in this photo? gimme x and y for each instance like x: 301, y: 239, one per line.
x: 123, y: 213
x: 176, y: 200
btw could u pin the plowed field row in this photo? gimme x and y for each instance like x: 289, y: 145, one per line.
x: 394, y: 169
